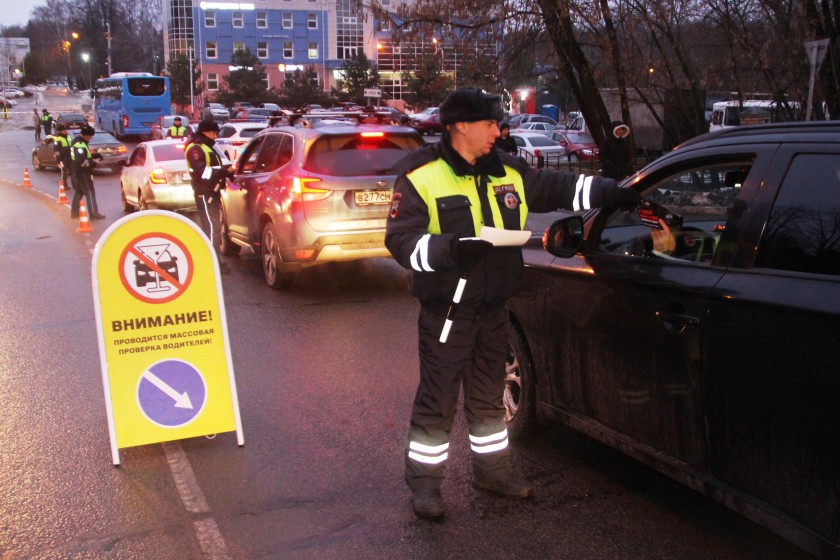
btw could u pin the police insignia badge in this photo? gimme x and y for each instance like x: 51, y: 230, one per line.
x: 395, y: 205
x: 511, y: 201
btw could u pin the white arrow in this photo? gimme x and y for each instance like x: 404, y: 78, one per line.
x: 182, y: 400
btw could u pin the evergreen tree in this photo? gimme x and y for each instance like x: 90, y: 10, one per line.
x: 179, y: 80
x: 247, y: 82
x: 357, y: 74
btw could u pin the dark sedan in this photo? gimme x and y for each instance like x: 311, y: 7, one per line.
x: 70, y: 120
x: 429, y: 125
x: 700, y: 333
x: 114, y: 153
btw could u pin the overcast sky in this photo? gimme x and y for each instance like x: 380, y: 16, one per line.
x: 16, y: 12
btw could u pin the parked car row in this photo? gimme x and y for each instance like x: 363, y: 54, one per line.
x: 114, y: 153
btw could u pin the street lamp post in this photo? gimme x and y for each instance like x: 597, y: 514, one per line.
x: 86, y: 59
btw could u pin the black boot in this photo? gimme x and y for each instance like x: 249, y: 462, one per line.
x: 427, y: 503
x: 509, y: 485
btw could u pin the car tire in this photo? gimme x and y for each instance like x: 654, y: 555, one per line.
x: 272, y: 262
x: 573, y: 158
x: 127, y: 208
x: 36, y: 162
x: 227, y: 247
x: 519, y: 397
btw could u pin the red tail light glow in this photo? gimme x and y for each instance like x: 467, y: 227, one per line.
x: 373, y: 134
x: 157, y: 176
x: 537, y: 153
x: 122, y: 150
x: 301, y: 189
x: 125, y: 121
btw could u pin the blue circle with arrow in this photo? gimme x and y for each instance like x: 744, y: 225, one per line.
x: 171, y: 393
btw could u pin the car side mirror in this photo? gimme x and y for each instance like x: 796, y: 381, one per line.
x: 565, y: 237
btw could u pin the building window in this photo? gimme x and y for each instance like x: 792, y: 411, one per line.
x: 238, y: 19
x: 212, y: 81
x: 210, y: 49
x: 210, y: 18
x: 262, y: 20
x: 265, y: 81
x: 288, y: 49
x: 313, y: 50
x: 238, y: 46
x: 311, y: 21
x: 262, y: 50
x: 288, y: 23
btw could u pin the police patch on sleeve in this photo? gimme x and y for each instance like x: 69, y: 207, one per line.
x: 511, y: 201
x: 395, y: 205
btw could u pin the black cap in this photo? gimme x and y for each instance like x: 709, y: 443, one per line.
x: 61, y: 126
x: 208, y: 125
x: 178, y: 119
x: 87, y: 130
x: 470, y: 104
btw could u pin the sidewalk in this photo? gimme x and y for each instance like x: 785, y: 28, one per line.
x: 56, y: 100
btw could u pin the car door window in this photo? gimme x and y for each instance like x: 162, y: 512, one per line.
x: 248, y: 160
x: 225, y: 132
x: 138, y: 158
x: 803, y: 231
x: 694, y: 203
x: 277, y: 152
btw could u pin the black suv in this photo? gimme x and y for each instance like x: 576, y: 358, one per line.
x: 700, y: 333
x: 306, y: 196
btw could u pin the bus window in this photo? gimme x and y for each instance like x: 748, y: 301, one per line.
x: 142, y: 87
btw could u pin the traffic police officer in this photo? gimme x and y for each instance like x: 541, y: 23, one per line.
x: 61, y: 145
x: 83, y: 164
x: 176, y: 130
x: 443, y: 196
x: 208, y: 170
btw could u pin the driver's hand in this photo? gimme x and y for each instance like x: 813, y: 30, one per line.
x: 663, y: 239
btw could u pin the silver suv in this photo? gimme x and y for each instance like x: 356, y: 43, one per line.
x: 306, y: 196
x: 215, y: 111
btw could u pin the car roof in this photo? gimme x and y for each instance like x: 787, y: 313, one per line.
x: 161, y: 142
x: 339, y: 130
x: 811, y: 131
x: 527, y: 133
x: 245, y: 124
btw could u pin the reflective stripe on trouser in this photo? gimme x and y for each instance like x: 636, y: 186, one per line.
x: 209, y: 212
x: 473, y: 358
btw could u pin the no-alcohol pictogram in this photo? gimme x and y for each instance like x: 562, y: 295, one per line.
x: 156, y: 268
x: 171, y: 393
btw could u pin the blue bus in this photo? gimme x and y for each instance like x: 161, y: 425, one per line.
x: 128, y: 102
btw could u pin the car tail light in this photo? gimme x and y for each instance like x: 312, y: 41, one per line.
x: 373, y: 134
x: 239, y: 142
x: 122, y: 150
x: 125, y: 122
x: 537, y: 153
x: 304, y: 254
x: 157, y: 176
x: 301, y: 189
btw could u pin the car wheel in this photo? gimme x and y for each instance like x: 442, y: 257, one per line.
x: 36, y: 162
x: 125, y: 205
x: 519, y: 397
x: 272, y: 263
x: 228, y: 247
x: 141, y: 201
x: 573, y: 158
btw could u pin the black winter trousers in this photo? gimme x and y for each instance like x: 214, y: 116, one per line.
x: 473, y: 358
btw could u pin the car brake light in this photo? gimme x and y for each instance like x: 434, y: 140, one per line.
x: 537, y: 153
x: 125, y: 121
x: 373, y: 134
x: 239, y: 142
x: 122, y: 150
x: 157, y: 176
x: 302, y: 191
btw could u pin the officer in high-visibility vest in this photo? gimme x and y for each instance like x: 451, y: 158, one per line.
x: 209, y: 168
x: 46, y: 122
x: 61, y: 145
x: 83, y: 164
x: 176, y: 130
x: 443, y: 196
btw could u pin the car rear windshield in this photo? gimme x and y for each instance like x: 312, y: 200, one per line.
x: 168, y: 152
x: 542, y: 141
x: 249, y: 132
x: 146, y: 87
x: 102, y: 137
x: 72, y: 118
x: 359, y: 153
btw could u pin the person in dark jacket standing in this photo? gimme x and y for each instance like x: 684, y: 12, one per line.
x: 61, y: 145
x: 442, y: 197
x: 36, y: 122
x: 83, y: 164
x: 616, y: 153
x: 504, y: 142
x: 208, y: 170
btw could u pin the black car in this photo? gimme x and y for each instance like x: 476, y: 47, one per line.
x: 70, y: 120
x: 700, y: 333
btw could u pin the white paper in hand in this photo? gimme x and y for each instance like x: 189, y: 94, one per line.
x: 504, y: 237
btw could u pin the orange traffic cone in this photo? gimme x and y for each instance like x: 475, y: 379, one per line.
x: 84, y: 222
x: 62, y: 194
x: 26, y: 182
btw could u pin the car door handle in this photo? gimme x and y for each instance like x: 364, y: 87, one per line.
x: 677, y: 323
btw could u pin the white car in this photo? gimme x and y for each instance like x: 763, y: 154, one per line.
x: 533, y: 145
x: 12, y: 92
x: 156, y: 176
x: 7, y: 101
x: 215, y: 111
x: 233, y: 137
x: 541, y: 127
